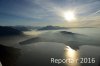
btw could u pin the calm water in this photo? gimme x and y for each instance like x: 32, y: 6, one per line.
x: 40, y: 54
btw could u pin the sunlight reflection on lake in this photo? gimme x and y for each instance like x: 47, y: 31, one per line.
x: 0, y: 64
x: 72, y: 56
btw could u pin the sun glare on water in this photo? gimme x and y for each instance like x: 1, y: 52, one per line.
x: 71, y: 55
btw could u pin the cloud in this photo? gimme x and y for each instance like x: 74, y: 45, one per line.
x: 50, y: 10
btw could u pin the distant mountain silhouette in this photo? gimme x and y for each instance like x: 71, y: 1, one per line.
x: 21, y: 28
x: 51, y: 28
x: 6, y: 30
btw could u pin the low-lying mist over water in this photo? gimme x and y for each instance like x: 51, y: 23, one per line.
x: 39, y: 47
x: 49, y: 32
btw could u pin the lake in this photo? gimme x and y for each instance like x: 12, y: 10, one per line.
x: 41, y: 53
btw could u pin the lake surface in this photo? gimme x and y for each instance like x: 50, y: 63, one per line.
x: 40, y: 54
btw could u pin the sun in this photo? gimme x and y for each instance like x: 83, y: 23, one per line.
x: 69, y: 16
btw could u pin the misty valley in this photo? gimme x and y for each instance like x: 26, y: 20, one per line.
x: 30, y: 47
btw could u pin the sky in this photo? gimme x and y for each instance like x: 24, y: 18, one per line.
x: 48, y: 12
